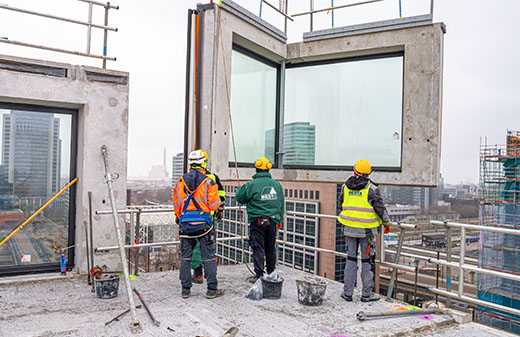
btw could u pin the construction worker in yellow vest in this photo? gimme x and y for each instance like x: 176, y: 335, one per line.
x: 362, y: 212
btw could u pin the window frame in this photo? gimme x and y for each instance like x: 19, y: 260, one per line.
x: 345, y: 60
x: 277, y: 66
x: 53, y: 267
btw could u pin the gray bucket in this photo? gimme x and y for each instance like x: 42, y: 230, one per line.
x: 311, y: 290
x: 107, y: 287
x: 272, y: 289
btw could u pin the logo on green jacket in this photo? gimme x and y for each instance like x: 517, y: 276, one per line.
x: 268, y: 193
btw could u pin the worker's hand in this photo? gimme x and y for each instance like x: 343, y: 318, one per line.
x: 387, y: 229
x: 278, y: 226
x: 177, y: 221
x: 221, y: 208
x: 218, y: 215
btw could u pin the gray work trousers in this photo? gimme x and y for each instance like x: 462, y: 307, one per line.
x: 367, y: 277
x: 207, y: 248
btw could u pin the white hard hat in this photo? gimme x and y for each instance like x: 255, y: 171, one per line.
x: 196, y: 158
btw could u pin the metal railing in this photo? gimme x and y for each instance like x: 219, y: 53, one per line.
x: 464, y: 264
x: 105, y: 27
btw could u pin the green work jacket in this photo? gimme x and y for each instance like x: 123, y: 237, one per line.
x: 263, y: 196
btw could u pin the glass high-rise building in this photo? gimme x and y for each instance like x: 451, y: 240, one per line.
x: 299, y: 143
x: 31, y: 153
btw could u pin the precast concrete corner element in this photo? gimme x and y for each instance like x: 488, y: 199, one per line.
x: 100, y: 98
x: 417, y: 38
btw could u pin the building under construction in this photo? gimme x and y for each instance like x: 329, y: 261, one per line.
x: 249, y: 93
x: 500, y: 206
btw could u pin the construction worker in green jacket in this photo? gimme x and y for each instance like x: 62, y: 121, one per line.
x: 197, y: 260
x: 265, y: 209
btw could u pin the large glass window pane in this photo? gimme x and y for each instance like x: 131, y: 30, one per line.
x: 338, y: 113
x: 253, y: 108
x: 35, y: 165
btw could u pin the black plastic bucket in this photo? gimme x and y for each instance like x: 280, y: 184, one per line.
x: 107, y: 287
x: 311, y: 290
x: 272, y: 289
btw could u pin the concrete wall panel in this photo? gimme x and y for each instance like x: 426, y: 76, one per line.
x: 423, y: 49
x: 102, y: 120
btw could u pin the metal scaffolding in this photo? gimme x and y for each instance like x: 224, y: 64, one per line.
x: 500, y: 206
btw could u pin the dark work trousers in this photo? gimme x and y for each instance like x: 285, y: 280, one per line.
x: 207, y: 248
x: 367, y: 276
x: 262, y: 240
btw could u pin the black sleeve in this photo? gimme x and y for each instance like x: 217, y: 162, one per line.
x: 375, y: 199
x: 340, y: 198
x: 220, y: 188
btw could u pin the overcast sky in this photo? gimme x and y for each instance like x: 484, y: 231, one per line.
x: 481, y: 68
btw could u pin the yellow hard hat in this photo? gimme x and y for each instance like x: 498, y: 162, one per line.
x: 363, y: 167
x: 263, y: 164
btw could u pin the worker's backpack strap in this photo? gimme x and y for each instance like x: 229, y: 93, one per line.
x: 193, y: 221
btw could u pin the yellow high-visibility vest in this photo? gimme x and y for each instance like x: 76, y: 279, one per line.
x: 357, y: 211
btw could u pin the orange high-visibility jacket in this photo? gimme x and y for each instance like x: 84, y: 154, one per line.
x: 204, y: 191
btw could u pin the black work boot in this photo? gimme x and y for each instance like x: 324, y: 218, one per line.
x: 346, y: 297
x: 373, y: 297
x: 213, y: 293
x: 185, y: 292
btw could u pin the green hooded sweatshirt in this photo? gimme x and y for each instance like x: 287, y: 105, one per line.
x: 263, y: 196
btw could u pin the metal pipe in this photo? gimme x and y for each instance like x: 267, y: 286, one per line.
x: 138, y: 236
x: 286, y: 6
x: 89, y: 29
x: 461, y: 260
x: 59, y: 50
x: 311, y: 14
x: 105, y: 35
x: 363, y: 316
x: 335, y: 7
x: 434, y: 254
x: 396, y: 261
x: 477, y: 227
x: 15, y: 9
x: 102, y: 4
x: 448, y: 259
x: 159, y: 244
x: 479, y: 270
x: 475, y: 301
x: 187, y: 92
x: 135, y: 324
x: 276, y: 9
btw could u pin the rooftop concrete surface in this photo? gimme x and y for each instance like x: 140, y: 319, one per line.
x: 68, y: 308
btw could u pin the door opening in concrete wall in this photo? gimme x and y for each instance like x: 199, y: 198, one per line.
x: 38, y: 159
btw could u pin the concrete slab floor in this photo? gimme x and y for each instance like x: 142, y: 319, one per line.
x: 69, y: 308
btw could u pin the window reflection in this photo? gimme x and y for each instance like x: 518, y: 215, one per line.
x: 338, y: 113
x: 35, y: 165
x: 253, y: 108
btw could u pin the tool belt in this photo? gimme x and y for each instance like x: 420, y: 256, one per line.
x: 264, y: 221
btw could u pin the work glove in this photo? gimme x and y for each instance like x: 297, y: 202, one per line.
x: 387, y: 229
x: 218, y: 215
x: 278, y: 226
x: 177, y: 221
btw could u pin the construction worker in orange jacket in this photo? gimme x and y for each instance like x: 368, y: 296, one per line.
x: 195, y: 196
